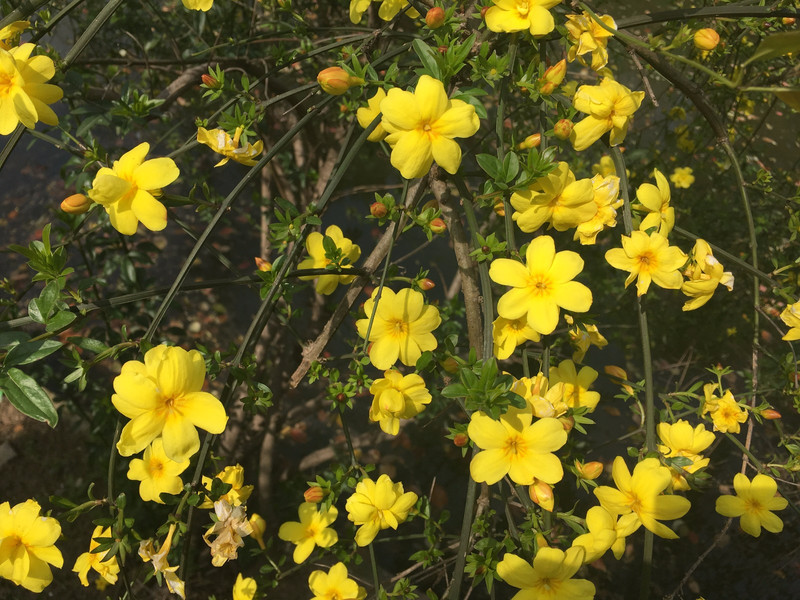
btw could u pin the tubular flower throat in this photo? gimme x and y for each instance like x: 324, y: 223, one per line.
x: 422, y: 125
x: 311, y: 531
x: 587, y: 35
x: 508, y: 16
x: 754, y: 502
x: 397, y: 397
x: 129, y: 189
x: 157, y: 473
x: 221, y: 142
x: 609, y: 106
x: 549, y: 577
x: 24, y: 93
x: 163, y: 397
x: 317, y: 259
x: 649, y: 259
x: 108, y: 569
x: 401, y: 328
x: 377, y: 505
x: 541, y: 286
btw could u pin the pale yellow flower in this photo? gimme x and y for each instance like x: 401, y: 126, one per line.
x: 587, y: 36
x: 148, y: 552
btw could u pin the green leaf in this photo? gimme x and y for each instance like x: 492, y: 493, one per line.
x: 28, y: 397
x: 491, y: 165
x: 455, y: 390
x: 28, y: 352
x: 775, y: 45
x: 12, y: 338
x: 60, y: 320
x: 510, y: 166
x: 428, y: 57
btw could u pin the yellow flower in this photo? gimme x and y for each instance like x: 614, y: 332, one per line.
x: 602, y: 535
x: 754, y: 502
x: 245, y: 588
x: 541, y: 286
x: 350, y: 253
x: 311, y: 531
x: 238, y: 494
x: 638, y: 497
x: 549, y: 577
x: 366, y: 114
x: 516, y: 447
x: 609, y: 106
x: 335, y: 585
x: 147, y: 552
x: 606, y: 199
x: 128, y: 190
x: 157, y: 472
x: 259, y: 526
x: 508, y: 334
x: 791, y: 316
x: 162, y: 396
x: 682, y: 177
x: 556, y: 198
x: 108, y: 569
x: 544, y: 400
x: 27, y: 545
x: 401, y: 328
x: 681, y: 439
x: 726, y: 414
x: 387, y: 11
x: 377, y: 505
x: 586, y: 35
x: 9, y: 35
x: 605, y: 167
x: 648, y: 258
x: 230, y: 527
x: 704, y: 274
x: 583, y: 337
x: 24, y: 95
x: 421, y: 127
x: 655, y: 199
x: 507, y: 16
x: 397, y: 397
x: 220, y: 142
x: 204, y: 5
x: 576, y: 384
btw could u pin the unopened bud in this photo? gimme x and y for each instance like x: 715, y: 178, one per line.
x: 460, y: 439
x: 378, y: 210
x: 259, y: 526
x: 434, y: 18
x: 77, y: 204
x: 590, y: 470
x: 426, y: 284
x: 209, y: 81
x: 314, y: 494
x: 567, y: 422
x: 442, y: 49
x: 336, y: 81
x: 450, y: 365
x: 563, y: 129
x: 263, y: 265
x: 542, y: 494
x: 532, y: 141
x: 483, y: 11
x: 437, y: 225
x: 499, y: 208
x: 788, y: 20
x: 541, y: 541
x: 706, y: 39
x: 553, y: 77
x: 770, y: 414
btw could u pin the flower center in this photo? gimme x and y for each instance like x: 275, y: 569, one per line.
x: 634, y: 502
x: 647, y: 261
x: 6, y: 84
x: 752, y: 505
x: 515, y: 445
x: 426, y: 127
x: 540, y: 285
x: 522, y: 8
x: 156, y: 468
x: 398, y: 328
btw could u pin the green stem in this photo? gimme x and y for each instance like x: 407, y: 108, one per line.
x: 374, y: 563
x: 463, y: 546
x: 499, y: 129
x: 83, y: 41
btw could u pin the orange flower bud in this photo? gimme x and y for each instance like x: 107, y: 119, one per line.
x: 500, y: 208
x: 209, y: 81
x: 542, y: 494
x: 563, y: 128
x: 438, y: 226
x: 77, y: 204
x: 336, y: 81
x: 460, y: 439
x: 483, y: 11
x: 788, y: 20
x: 426, y: 284
x: 532, y: 141
x: 450, y: 365
x: 553, y: 77
x: 378, y: 210
x: 434, y: 18
x: 314, y: 494
x: 770, y: 414
x: 706, y: 39
x: 590, y: 470
x: 263, y: 265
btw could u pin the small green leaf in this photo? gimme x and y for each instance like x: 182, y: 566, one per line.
x: 490, y: 164
x: 28, y: 352
x: 428, y: 57
x: 28, y: 397
x: 60, y: 320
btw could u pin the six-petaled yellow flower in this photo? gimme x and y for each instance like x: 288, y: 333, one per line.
x: 576, y: 384
x: 508, y: 16
x: 377, y: 505
x: 649, y: 258
x: 726, y: 413
x: 157, y: 473
x: 318, y: 259
x: 397, y: 397
x: 550, y: 577
x: 24, y: 93
x: 27, y: 545
x: 313, y: 529
x: 754, y: 502
x: 422, y: 125
x: 335, y: 585
x: 108, y: 569
x: 609, y: 106
x: 221, y: 142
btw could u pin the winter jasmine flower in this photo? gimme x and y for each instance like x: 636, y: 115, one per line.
x: 649, y: 258
x: 24, y: 93
x: 682, y: 177
x: 587, y: 36
x: 656, y: 201
x: 377, y: 505
x: 703, y: 274
x: 609, y: 107
x: 157, y: 473
x: 108, y: 569
x: 27, y: 545
x: 233, y: 475
x: 507, y: 16
x: 549, y: 577
x: 335, y: 585
x: 576, y: 384
x: 754, y: 502
x: 311, y: 531
x: 510, y: 333
x: 397, y: 397
x: 318, y: 259
x: 221, y: 142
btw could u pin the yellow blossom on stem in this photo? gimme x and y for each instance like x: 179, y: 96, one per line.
x: 508, y: 16
x: 162, y: 396
x: 655, y: 200
x: 726, y: 413
x: 108, y: 569
x: 682, y: 177
x: 204, y: 5
x: 754, y: 502
x: 583, y: 336
x: 377, y: 505
x: 259, y: 526
x: 9, y: 35
x: 609, y: 106
x: 397, y: 397
x: 606, y: 199
x: 367, y: 114
x: 602, y: 535
x: 317, y: 259
x: 508, y: 334
x: 221, y: 142
x: 549, y: 577
x: 387, y: 11
x: 791, y: 316
x: 24, y: 93
x: 157, y: 473
x: 649, y: 258
x: 703, y: 274
x: 237, y: 495
x: 422, y: 125
x: 638, y: 497
x: 681, y: 439
x: 557, y: 198
x: 311, y: 531
x: 541, y: 286
x: 245, y: 588
x: 544, y: 400
x: 576, y: 384
x: 401, y: 328
x: 514, y: 446
x: 129, y: 189
x: 148, y: 552
x: 335, y: 585
x: 230, y: 527
x: 587, y: 36
x: 27, y: 545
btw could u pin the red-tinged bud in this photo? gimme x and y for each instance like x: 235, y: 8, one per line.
x: 434, y: 18
x: 542, y: 494
x: 788, y: 20
x: 591, y: 470
x: 563, y: 129
x: 437, y: 225
x: 532, y: 141
x: 343, y: 108
x: 426, y: 284
x: 499, y: 209
x: 209, y: 81
x: 460, y: 439
x: 483, y: 11
x: 77, y: 204
x: 378, y: 210
x: 553, y: 77
x: 336, y: 81
x: 706, y: 39
x: 298, y: 434
x: 314, y: 494
x: 567, y: 422
x: 263, y: 265
x: 442, y: 49
x: 770, y: 414
x: 450, y: 365
x: 340, y: 397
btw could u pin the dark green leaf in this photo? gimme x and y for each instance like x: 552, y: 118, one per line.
x: 28, y: 397
x: 60, y: 320
x: 28, y: 352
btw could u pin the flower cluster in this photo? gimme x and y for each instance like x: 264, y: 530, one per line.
x: 682, y: 440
